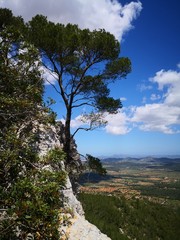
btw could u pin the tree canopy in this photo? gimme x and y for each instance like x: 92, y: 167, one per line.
x: 83, y: 62
x: 95, y: 165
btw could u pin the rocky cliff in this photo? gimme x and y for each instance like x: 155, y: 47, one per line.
x: 74, y: 226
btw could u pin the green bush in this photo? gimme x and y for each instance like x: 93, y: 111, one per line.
x: 32, y: 204
x: 30, y: 199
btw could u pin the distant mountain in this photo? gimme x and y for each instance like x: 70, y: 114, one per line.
x: 146, y: 162
x: 119, y: 156
x: 144, y: 159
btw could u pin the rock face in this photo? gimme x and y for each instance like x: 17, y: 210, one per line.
x: 78, y: 228
x: 81, y: 229
x: 48, y: 139
x: 51, y: 136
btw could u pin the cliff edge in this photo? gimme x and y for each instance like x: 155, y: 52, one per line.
x: 73, y: 226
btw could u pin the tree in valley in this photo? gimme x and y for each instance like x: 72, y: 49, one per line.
x: 83, y: 63
x: 94, y: 165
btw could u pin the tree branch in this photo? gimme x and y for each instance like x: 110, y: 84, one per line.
x: 81, y: 128
x: 82, y: 104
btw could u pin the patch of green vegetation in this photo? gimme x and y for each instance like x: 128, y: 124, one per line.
x: 169, y: 190
x: 122, y: 219
x: 30, y: 198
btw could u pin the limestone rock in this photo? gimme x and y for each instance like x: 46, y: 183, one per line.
x: 71, y: 200
x: 48, y: 139
x: 81, y: 229
x: 77, y: 227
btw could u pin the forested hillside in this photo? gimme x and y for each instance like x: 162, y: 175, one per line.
x: 138, y: 198
x: 126, y: 219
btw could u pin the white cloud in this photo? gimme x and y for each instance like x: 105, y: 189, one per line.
x: 117, y: 124
x: 92, y: 14
x: 76, y: 122
x: 157, y: 117
x: 155, y: 97
x: 173, y: 95
x: 170, y: 79
x: 48, y: 76
x: 163, y: 116
x: 164, y: 78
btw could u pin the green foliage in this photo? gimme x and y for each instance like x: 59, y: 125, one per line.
x: 113, y: 70
x: 54, y: 156
x: 30, y: 198
x: 95, y: 165
x: 120, y: 218
x: 21, y: 86
x: 8, y: 20
x: 166, y: 190
x: 108, y: 104
x: 32, y: 205
x: 72, y: 55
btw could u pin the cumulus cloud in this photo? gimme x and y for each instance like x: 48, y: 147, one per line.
x: 173, y: 95
x: 117, y: 124
x: 171, y: 80
x: 164, y: 78
x: 157, y: 117
x: 163, y: 116
x: 90, y: 14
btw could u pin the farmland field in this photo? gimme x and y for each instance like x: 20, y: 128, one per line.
x: 140, y: 196
x: 137, y: 178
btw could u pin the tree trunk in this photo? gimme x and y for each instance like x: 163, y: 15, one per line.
x: 67, y: 144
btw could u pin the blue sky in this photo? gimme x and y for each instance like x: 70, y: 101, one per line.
x: 149, y: 123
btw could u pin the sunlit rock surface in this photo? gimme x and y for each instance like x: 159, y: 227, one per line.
x: 76, y: 226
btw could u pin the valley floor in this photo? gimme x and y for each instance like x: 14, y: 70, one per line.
x: 135, y: 200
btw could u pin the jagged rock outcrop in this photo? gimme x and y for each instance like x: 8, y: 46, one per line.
x: 76, y: 227
x: 51, y: 136
x: 48, y: 139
